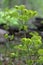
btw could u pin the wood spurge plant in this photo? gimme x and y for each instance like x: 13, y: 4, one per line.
x: 29, y: 51
x: 17, y: 16
x: 23, y: 44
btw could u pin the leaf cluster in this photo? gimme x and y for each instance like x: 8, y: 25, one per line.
x: 17, y: 16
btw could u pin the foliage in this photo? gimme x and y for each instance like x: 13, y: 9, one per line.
x: 17, y: 16
x: 36, y: 5
x: 9, y: 37
x: 29, y: 50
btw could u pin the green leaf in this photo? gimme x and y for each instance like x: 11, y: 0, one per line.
x: 12, y: 55
x: 40, y: 61
x: 29, y: 62
x: 6, y: 36
x: 40, y: 51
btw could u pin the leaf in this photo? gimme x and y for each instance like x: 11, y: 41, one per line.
x: 6, y: 36
x: 40, y: 60
x: 29, y: 62
x: 12, y: 55
x: 40, y: 51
